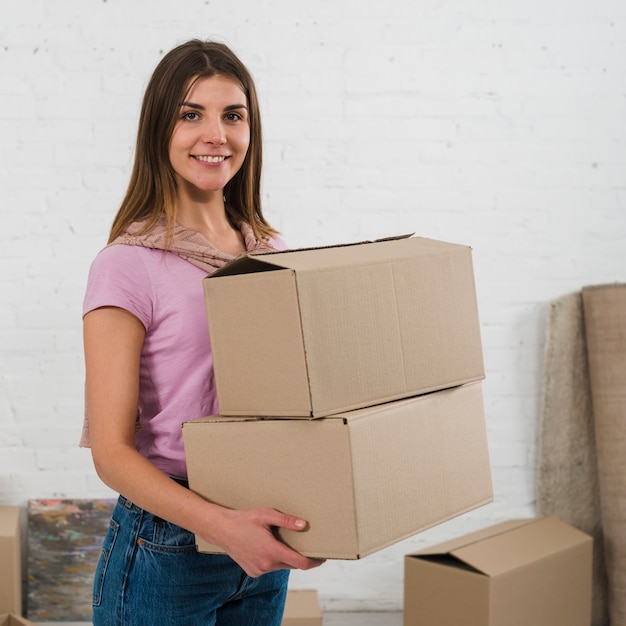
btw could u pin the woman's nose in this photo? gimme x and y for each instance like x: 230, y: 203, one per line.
x: 213, y: 132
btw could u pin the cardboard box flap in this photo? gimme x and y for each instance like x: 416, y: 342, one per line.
x: 345, y: 255
x: 450, y: 546
x: 518, y: 546
x: 251, y: 262
x: 395, y: 237
x: 245, y: 264
x: 341, y: 245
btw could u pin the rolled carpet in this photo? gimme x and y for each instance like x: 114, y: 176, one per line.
x: 605, y: 329
x: 567, y: 477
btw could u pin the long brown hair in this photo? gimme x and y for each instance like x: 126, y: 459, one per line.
x: 152, y: 187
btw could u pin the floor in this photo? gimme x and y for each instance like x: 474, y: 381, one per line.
x: 330, y: 619
x: 363, y: 619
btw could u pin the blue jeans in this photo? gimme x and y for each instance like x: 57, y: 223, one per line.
x: 150, y: 573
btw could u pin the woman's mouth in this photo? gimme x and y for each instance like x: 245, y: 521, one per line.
x: 209, y: 159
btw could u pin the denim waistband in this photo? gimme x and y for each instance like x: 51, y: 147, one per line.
x: 127, y: 504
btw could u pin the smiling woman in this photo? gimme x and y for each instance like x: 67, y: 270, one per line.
x: 192, y: 204
x: 152, y: 190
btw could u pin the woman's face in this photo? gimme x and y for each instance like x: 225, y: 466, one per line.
x: 211, y: 136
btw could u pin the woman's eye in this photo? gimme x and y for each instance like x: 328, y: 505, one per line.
x: 233, y: 117
x: 191, y: 116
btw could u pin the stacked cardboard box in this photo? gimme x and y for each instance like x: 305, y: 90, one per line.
x: 348, y: 379
x: 310, y: 333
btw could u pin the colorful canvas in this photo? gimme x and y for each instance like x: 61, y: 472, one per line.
x: 64, y: 543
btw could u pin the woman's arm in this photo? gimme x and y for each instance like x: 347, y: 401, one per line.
x: 113, y: 339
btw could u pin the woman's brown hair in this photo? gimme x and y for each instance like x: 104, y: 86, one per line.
x: 151, y: 190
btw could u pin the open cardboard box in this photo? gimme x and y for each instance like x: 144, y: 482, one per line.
x: 363, y: 479
x: 10, y: 560
x: 314, y: 332
x: 302, y: 608
x: 533, y: 572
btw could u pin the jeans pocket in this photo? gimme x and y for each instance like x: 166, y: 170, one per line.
x: 168, y: 537
x: 103, y: 562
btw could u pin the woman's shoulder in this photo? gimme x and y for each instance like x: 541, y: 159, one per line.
x: 121, y: 276
x: 124, y: 256
x: 122, y: 266
x: 114, y: 251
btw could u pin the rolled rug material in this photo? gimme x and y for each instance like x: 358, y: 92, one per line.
x: 605, y: 327
x: 567, y: 471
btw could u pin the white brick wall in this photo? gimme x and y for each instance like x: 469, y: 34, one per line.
x: 497, y: 124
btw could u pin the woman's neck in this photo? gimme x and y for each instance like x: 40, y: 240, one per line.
x: 209, y: 218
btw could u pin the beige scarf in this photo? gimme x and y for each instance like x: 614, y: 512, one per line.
x: 187, y: 244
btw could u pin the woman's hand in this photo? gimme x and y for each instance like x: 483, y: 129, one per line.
x: 248, y: 537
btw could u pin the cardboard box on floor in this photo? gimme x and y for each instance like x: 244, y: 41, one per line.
x: 519, y: 573
x: 362, y: 479
x: 319, y: 331
x: 302, y: 608
x: 10, y: 619
x: 11, y: 560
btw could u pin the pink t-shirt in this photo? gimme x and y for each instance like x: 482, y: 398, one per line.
x: 176, y: 374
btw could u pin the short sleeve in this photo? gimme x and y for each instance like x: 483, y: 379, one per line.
x: 118, y: 277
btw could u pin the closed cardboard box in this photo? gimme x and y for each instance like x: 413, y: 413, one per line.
x: 302, y: 608
x: 11, y: 560
x: 363, y: 479
x: 534, y: 572
x: 319, y: 331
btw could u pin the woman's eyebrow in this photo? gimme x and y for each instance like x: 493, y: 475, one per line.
x: 200, y: 107
x: 234, y: 107
x: 192, y: 105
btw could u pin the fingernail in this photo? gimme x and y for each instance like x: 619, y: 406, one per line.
x: 300, y: 523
